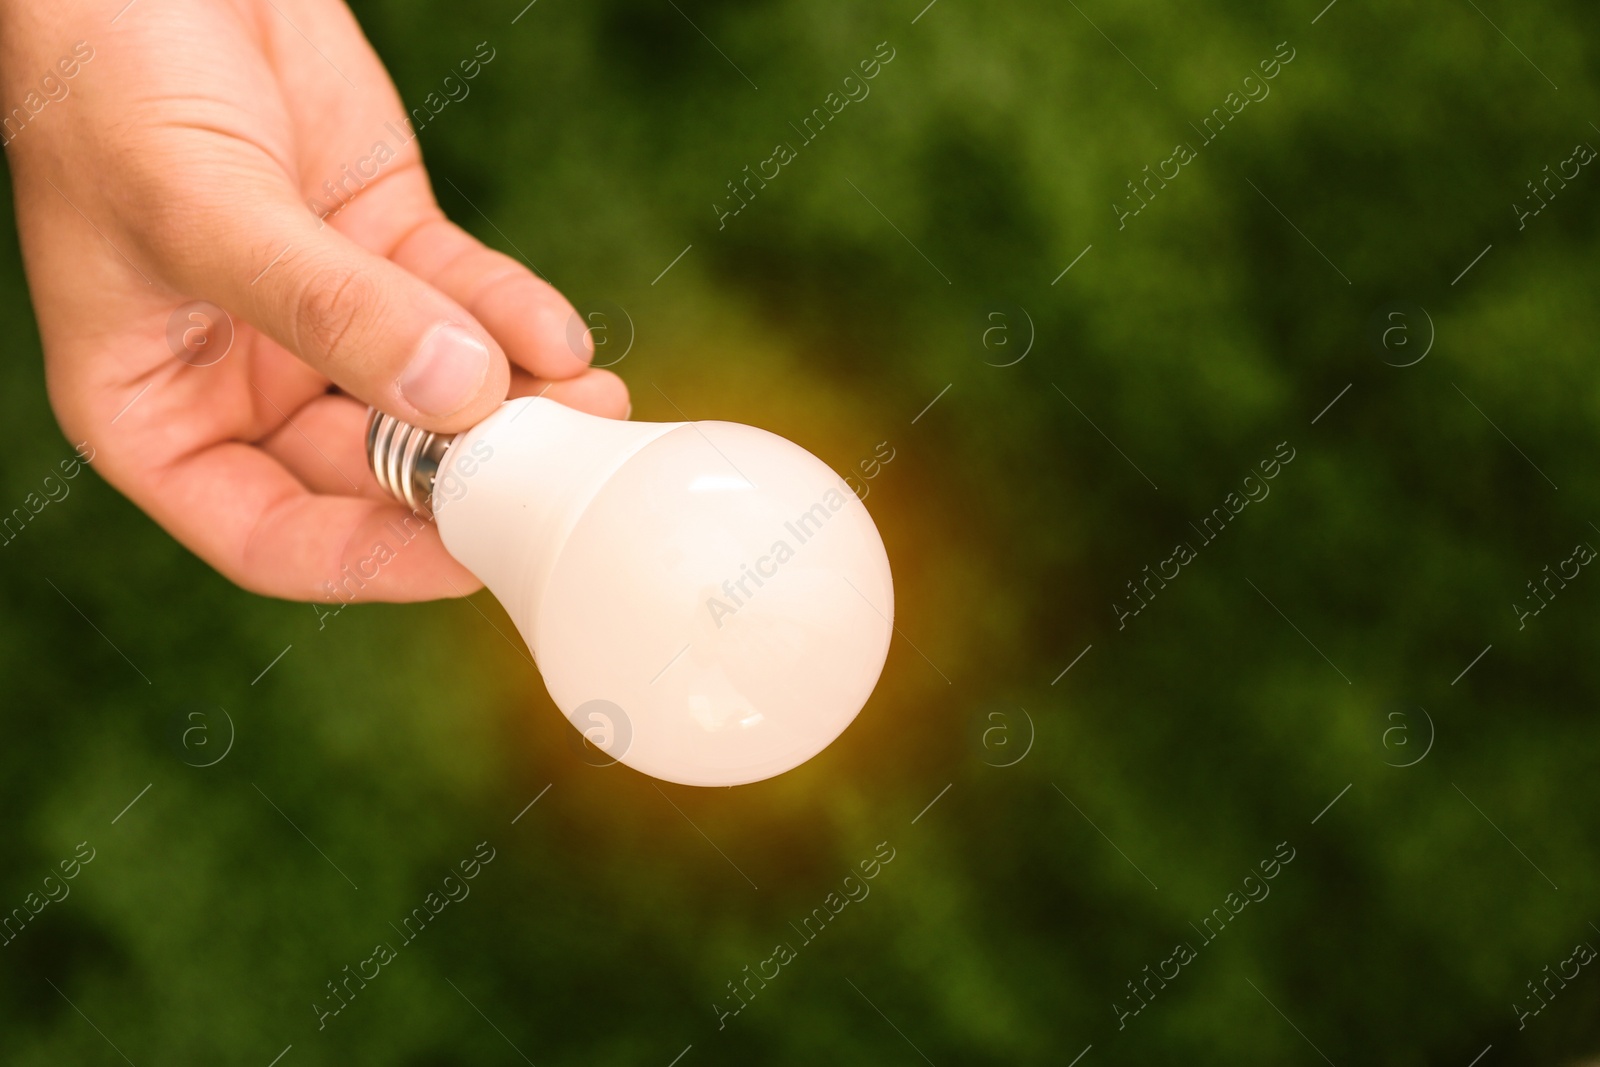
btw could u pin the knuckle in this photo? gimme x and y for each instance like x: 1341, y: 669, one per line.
x: 329, y: 309
x: 509, y: 278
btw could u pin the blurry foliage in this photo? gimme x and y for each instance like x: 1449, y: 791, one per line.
x: 1207, y: 731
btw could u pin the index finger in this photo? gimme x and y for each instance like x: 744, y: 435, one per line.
x: 535, y: 324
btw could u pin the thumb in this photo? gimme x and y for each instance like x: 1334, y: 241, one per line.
x: 373, y: 328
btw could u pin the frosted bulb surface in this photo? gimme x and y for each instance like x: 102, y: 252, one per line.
x: 708, y: 601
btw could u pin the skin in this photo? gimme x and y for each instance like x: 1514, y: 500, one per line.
x: 178, y: 167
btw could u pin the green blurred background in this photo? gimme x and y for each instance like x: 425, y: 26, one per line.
x: 1292, y: 658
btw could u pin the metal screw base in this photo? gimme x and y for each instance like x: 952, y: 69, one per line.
x: 405, y: 459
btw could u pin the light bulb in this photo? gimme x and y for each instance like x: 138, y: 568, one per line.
x: 708, y: 603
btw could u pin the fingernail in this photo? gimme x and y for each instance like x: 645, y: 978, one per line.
x: 626, y: 415
x: 447, y: 371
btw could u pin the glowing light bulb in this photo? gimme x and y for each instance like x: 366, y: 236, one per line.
x: 709, y: 603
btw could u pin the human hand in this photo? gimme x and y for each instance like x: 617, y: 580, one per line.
x: 176, y: 162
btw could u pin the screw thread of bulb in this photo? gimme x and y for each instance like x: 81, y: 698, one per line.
x: 405, y: 458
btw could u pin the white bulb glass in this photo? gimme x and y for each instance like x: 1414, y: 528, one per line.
x: 708, y: 602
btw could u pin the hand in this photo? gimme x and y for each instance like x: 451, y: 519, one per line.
x: 176, y: 163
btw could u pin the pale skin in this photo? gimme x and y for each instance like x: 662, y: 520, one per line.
x: 178, y: 167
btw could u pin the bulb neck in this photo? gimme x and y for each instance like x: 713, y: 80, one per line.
x: 508, y: 492
x: 405, y: 459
